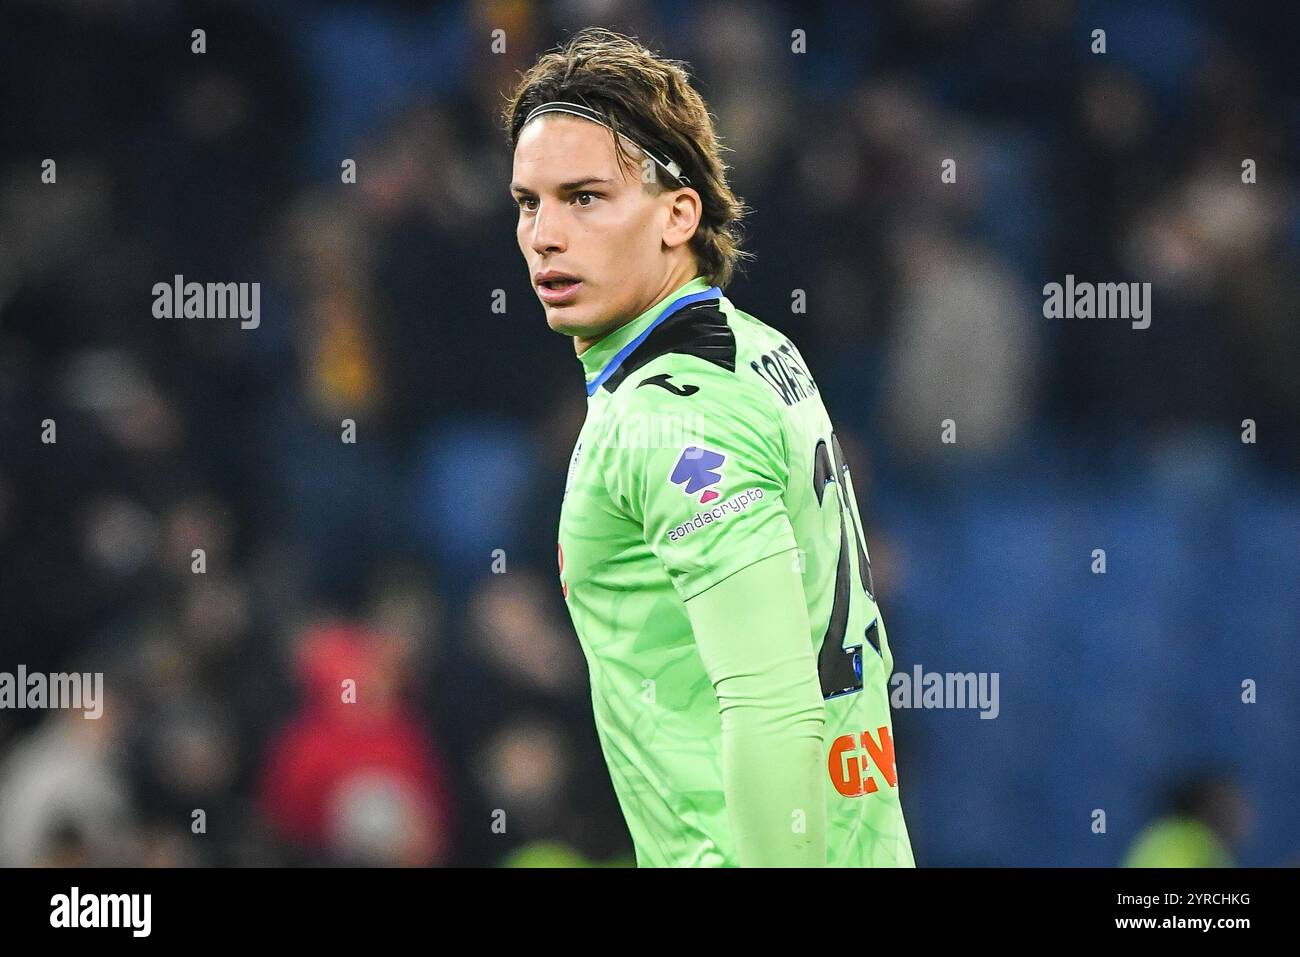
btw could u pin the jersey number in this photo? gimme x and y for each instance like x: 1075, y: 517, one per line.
x: 840, y: 668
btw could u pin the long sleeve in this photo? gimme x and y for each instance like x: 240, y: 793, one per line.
x: 752, y: 634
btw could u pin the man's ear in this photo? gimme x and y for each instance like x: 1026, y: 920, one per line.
x: 684, y: 211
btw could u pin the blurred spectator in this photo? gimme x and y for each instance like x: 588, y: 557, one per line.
x: 354, y: 778
x: 65, y: 798
x: 1206, y: 819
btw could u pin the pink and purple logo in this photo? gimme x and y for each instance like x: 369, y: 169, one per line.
x: 699, y: 469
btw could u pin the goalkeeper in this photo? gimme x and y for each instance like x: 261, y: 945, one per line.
x: 711, y: 553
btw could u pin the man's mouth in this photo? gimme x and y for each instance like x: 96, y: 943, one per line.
x: 558, y: 291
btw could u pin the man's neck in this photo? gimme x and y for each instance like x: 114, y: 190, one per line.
x: 680, y: 277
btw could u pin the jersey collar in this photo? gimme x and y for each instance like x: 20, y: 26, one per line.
x: 603, y: 357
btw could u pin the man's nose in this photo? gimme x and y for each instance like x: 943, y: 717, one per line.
x: 548, y: 231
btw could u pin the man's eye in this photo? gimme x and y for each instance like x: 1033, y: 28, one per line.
x: 524, y: 203
x: 582, y: 194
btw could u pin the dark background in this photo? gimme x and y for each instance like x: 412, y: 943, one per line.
x: 375, y: 560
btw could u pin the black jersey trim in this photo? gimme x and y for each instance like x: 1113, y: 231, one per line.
x: 700, y: 330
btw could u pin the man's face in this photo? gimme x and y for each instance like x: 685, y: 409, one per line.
x: 584, y: 215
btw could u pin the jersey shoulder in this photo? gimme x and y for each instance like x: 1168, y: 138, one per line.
x: 699, y: 359
x: 688, y: 387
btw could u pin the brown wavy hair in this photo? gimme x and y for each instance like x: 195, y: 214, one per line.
x: 650, y: 99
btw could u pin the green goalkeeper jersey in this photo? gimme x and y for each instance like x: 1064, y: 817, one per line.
x: 706, y: 449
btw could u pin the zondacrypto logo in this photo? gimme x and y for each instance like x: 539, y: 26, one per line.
x: 723, y: 510
x: 37, y: 691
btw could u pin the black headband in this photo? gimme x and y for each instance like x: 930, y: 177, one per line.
x: 672, y: 168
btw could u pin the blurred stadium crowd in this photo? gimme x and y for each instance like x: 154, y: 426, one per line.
x: 375, y: 560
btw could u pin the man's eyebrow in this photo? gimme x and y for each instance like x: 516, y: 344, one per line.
x: 566, y: 187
